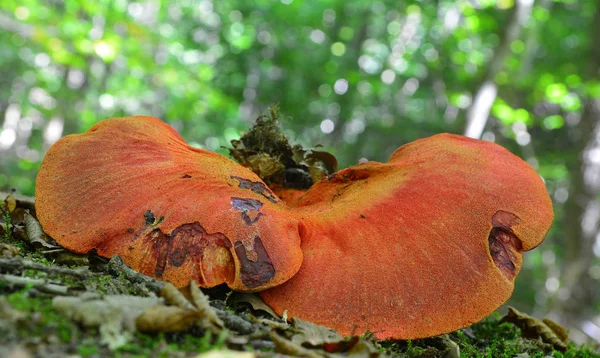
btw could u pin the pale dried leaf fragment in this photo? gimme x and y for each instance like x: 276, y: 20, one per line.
x: 532, y: 327
x: 363, y: 348
x: 203, y: 305
x: 559, y: 330
x: 20, y: 201
x: 288, y: 347
x: 254, y: 300
x: 35, y: 235
x: 10, y: 203
x: 174, y: 297
x: 161, y: 318
x: 305, y: 332
x: 198, y: 312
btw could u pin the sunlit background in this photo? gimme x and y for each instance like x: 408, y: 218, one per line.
x: 360, y: 78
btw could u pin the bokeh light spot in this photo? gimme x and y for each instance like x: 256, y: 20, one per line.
x: 388, y: 76
x: 338, y: 48
x: 327, y: 126
x: 340, y: 86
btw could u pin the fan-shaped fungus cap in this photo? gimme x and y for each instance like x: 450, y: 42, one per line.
x: 427, y: 243
x: 133, y: 187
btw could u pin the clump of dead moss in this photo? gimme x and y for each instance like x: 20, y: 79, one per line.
x: 268, y: 153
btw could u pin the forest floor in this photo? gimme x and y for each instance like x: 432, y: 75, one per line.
x: 56, y: 304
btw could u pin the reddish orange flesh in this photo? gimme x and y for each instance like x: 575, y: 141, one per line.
x: 427, y: 243
x: 133, y: 187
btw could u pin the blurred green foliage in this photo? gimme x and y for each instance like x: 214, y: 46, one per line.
x: 359, y: 77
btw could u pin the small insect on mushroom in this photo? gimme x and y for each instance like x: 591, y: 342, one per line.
x: 133, y: 187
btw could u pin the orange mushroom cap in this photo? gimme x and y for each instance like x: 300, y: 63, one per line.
x: 133, y: 187
x: 427, y: 243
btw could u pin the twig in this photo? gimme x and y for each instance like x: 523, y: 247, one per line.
x: 235, y: 323
x: 116, y: 267
x: 38, y: 284
x: 203, y: 305
x: 19, y: 265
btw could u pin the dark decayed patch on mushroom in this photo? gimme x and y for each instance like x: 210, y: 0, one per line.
x: 256, y: 187
x: 245, y: 205
x: 150, y: 218
x: 503, y: 243
x: 257, y: 269
x: 188, y: 240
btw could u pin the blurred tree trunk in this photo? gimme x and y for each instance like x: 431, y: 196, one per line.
x: 479, y: 111
x: 582, y: 209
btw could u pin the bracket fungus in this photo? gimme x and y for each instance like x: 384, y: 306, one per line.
x: 424, y: 244
x: 133, y: 187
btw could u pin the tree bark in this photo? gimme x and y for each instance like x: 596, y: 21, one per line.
x: 582, y: 209
x: 479, y: 111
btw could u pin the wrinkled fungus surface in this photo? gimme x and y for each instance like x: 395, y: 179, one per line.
x: 133, y: 187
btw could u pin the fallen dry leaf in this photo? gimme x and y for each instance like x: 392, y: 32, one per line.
x: 181, y: 314
x: 305, y: 332
x: 254, y: 300
x: 9, y: 204
x: 305, y: 339
x: 559, y: 330
x: 35, y: 235
x: 285, y: 346
x: 532, y: 327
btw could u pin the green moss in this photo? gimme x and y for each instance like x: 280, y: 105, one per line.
x: 88, y: 349
x: 267, y: 137
x: 488, y: 338
x: 41, y: 319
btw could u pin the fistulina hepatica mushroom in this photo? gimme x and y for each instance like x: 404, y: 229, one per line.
x: 425, y: 244
x: 133, y: 187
